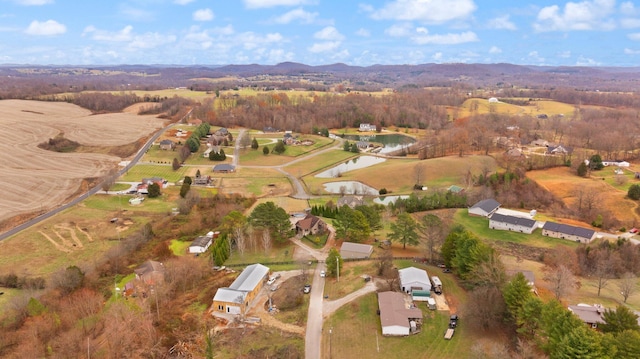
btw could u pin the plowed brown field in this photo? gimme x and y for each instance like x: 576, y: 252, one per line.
x: 35, y: 180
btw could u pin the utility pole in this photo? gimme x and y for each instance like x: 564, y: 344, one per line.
x: 338, y: 267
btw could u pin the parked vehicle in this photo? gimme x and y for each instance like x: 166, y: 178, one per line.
x: 307, y: 289
x: 431, y: 304
x: 449, y: 333
x: 271, y: 281
x: 322, y: 274
x: 437, y: 284
x: 453, y: 321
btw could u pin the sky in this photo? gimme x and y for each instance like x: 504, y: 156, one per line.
x: 319, y: 32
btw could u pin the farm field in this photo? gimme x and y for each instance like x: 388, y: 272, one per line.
x: 539, y: 107
x: 42, y: 179
x: 563, y: 182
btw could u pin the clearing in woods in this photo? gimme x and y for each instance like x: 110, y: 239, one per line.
x: 38, y: 180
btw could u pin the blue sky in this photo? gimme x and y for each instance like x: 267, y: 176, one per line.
x: 316, y: 32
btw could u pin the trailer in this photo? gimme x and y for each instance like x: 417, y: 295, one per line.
x: 437, y: 285
x: 449, y: 333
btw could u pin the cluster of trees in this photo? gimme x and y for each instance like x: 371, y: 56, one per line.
x: 356, y: 225
x: 350, y: 147
x: 12, y: 280
x: 193, y: 142
x: 220, y: 249
x: 436, y: 200
x: 217, y: 155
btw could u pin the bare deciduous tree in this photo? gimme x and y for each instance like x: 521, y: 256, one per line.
x: 266, y: 241
x: 561, y: 281
x: 418, y: 172
x: 240, y: 239
x: 628, y: 285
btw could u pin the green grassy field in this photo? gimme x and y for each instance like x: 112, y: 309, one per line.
x: 480, y: 226
x: 179, y: 248
x: 356, y: 333
x: 138, y: 172
x: 121, y: 202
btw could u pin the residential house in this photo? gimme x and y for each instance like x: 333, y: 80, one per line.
x: 493, y: 100
x: 202, y: 243
x: 288, y: 138
x: 143, y: 187
x: 236, y: 298
x: 589, y: 314
x: 224, y: 168
x: 222, y: 132
x: 616, y: 163
x: 484, y: 208
x: 269, y: 129
x: 167, y: 145
x: 559, y: 150
x: 202, y: 181
x: 540, y: 142
x: 511, y: 223
x: 515, y: 153
x: 367, y: 127
x: 413, y: 278
x: 350, y: 250
x: 565, y: 231
x: 396, y: 317
x: 351, y: 201
x: 310, y: 225
x: 150, y: 272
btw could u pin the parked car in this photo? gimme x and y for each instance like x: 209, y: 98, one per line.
x: 271, y: 280
x: 453, y: 321
x: 446, y: 270
x: 322, y: 274
x: 633, y: 230
x: 307, y: 289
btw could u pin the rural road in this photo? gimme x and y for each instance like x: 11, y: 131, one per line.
x: 313, y: 336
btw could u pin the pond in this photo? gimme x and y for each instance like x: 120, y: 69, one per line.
x: 388, y: 199
x: 350, y: 187
x: 392, y: 142
x: 353, y: 164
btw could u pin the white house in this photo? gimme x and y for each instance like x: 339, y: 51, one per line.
x: 511, y: 223
x: 484, y: 208
x: 493, y: 100
x: 202, y: 243
x: 413, y: 278
x: 366, y: 127
x: 565, y: 231
x: 396, y: 319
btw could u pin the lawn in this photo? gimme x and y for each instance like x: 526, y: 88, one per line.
x: 480, y: 226
x: 356, y: 333
x: 179, y: 248
x: 249, y: 156
x: 278, y: 253
x: 138, y: 172
x: 351, y: 279
x: 121, y: 202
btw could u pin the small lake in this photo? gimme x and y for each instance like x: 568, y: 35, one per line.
x: 353, y: 164
x: 350, y: 187
x: 392, y: 142
x: 388, y: 199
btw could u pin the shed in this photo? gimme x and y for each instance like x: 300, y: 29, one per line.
x: 350, y: 250
x: 224, y: 168
x: 420, y: 295
x: 202, y: 243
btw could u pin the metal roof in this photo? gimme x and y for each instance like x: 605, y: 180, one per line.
x: 569, y: 230
x: 250, y: 277
x: 488, y: 205
x: 518, y: 221
x: 413, y: 274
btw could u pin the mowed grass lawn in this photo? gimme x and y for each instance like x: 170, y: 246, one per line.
x: 480, y: 226
x: 138, y: 172
x: 249, y: 156
x: 356, y: 333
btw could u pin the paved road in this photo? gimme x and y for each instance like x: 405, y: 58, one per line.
x: 313, y: 336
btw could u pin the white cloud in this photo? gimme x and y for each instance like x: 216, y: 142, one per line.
x: 150, y: 40
x: 502, y: 23
x: 584, y: 61
x: 123, y: 35
x: 437, y: 56
x: 399, y: 30
x: 495, y: 50
x: 203, y: 15
x: 634, y: 36
x: 251, y: 40
x: 33, y: 2
x: 423, y: 38
x: 533, y: 55
x: 629, y: 9
x: 363, y: 32
x: 279, y: 55
x: 630, y: 23
x: 324, y: 46
x: 46, y: 28
x: 329, y: 33
x: 298, y: 14
x: 631, y: 51
x: 257, y: 4
x: 585, y: 15
x: 429, y: 11
x: 183, y: 2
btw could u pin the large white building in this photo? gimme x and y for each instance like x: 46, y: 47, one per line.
x: 510, y: 223
x: 413, y: 278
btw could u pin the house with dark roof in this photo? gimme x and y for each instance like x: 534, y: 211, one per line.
x: 310, y: 225
x: 413, y: 278
x: 396, y: 317
x: 565, y: 231
x: 224, y: 168
x: 510, y: 223
x: 236, y: 298
x: 167, y: 145
x: 484, y: 208
x: 350, y: 250
x: 150, y: 272
x: 589, y: 314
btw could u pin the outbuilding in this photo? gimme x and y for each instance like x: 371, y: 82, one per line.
x: 395, y: 316
x: 484, y: 208
x: 413, y: 278
x: 350, y: 250
x: 510, y: 223
x: 238, y: 296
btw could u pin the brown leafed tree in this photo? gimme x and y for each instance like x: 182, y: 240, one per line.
x: 561, y: 281
x: 628, y: 285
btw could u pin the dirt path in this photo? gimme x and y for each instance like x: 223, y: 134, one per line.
x: 55, y: 244
x: 329, y: 307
